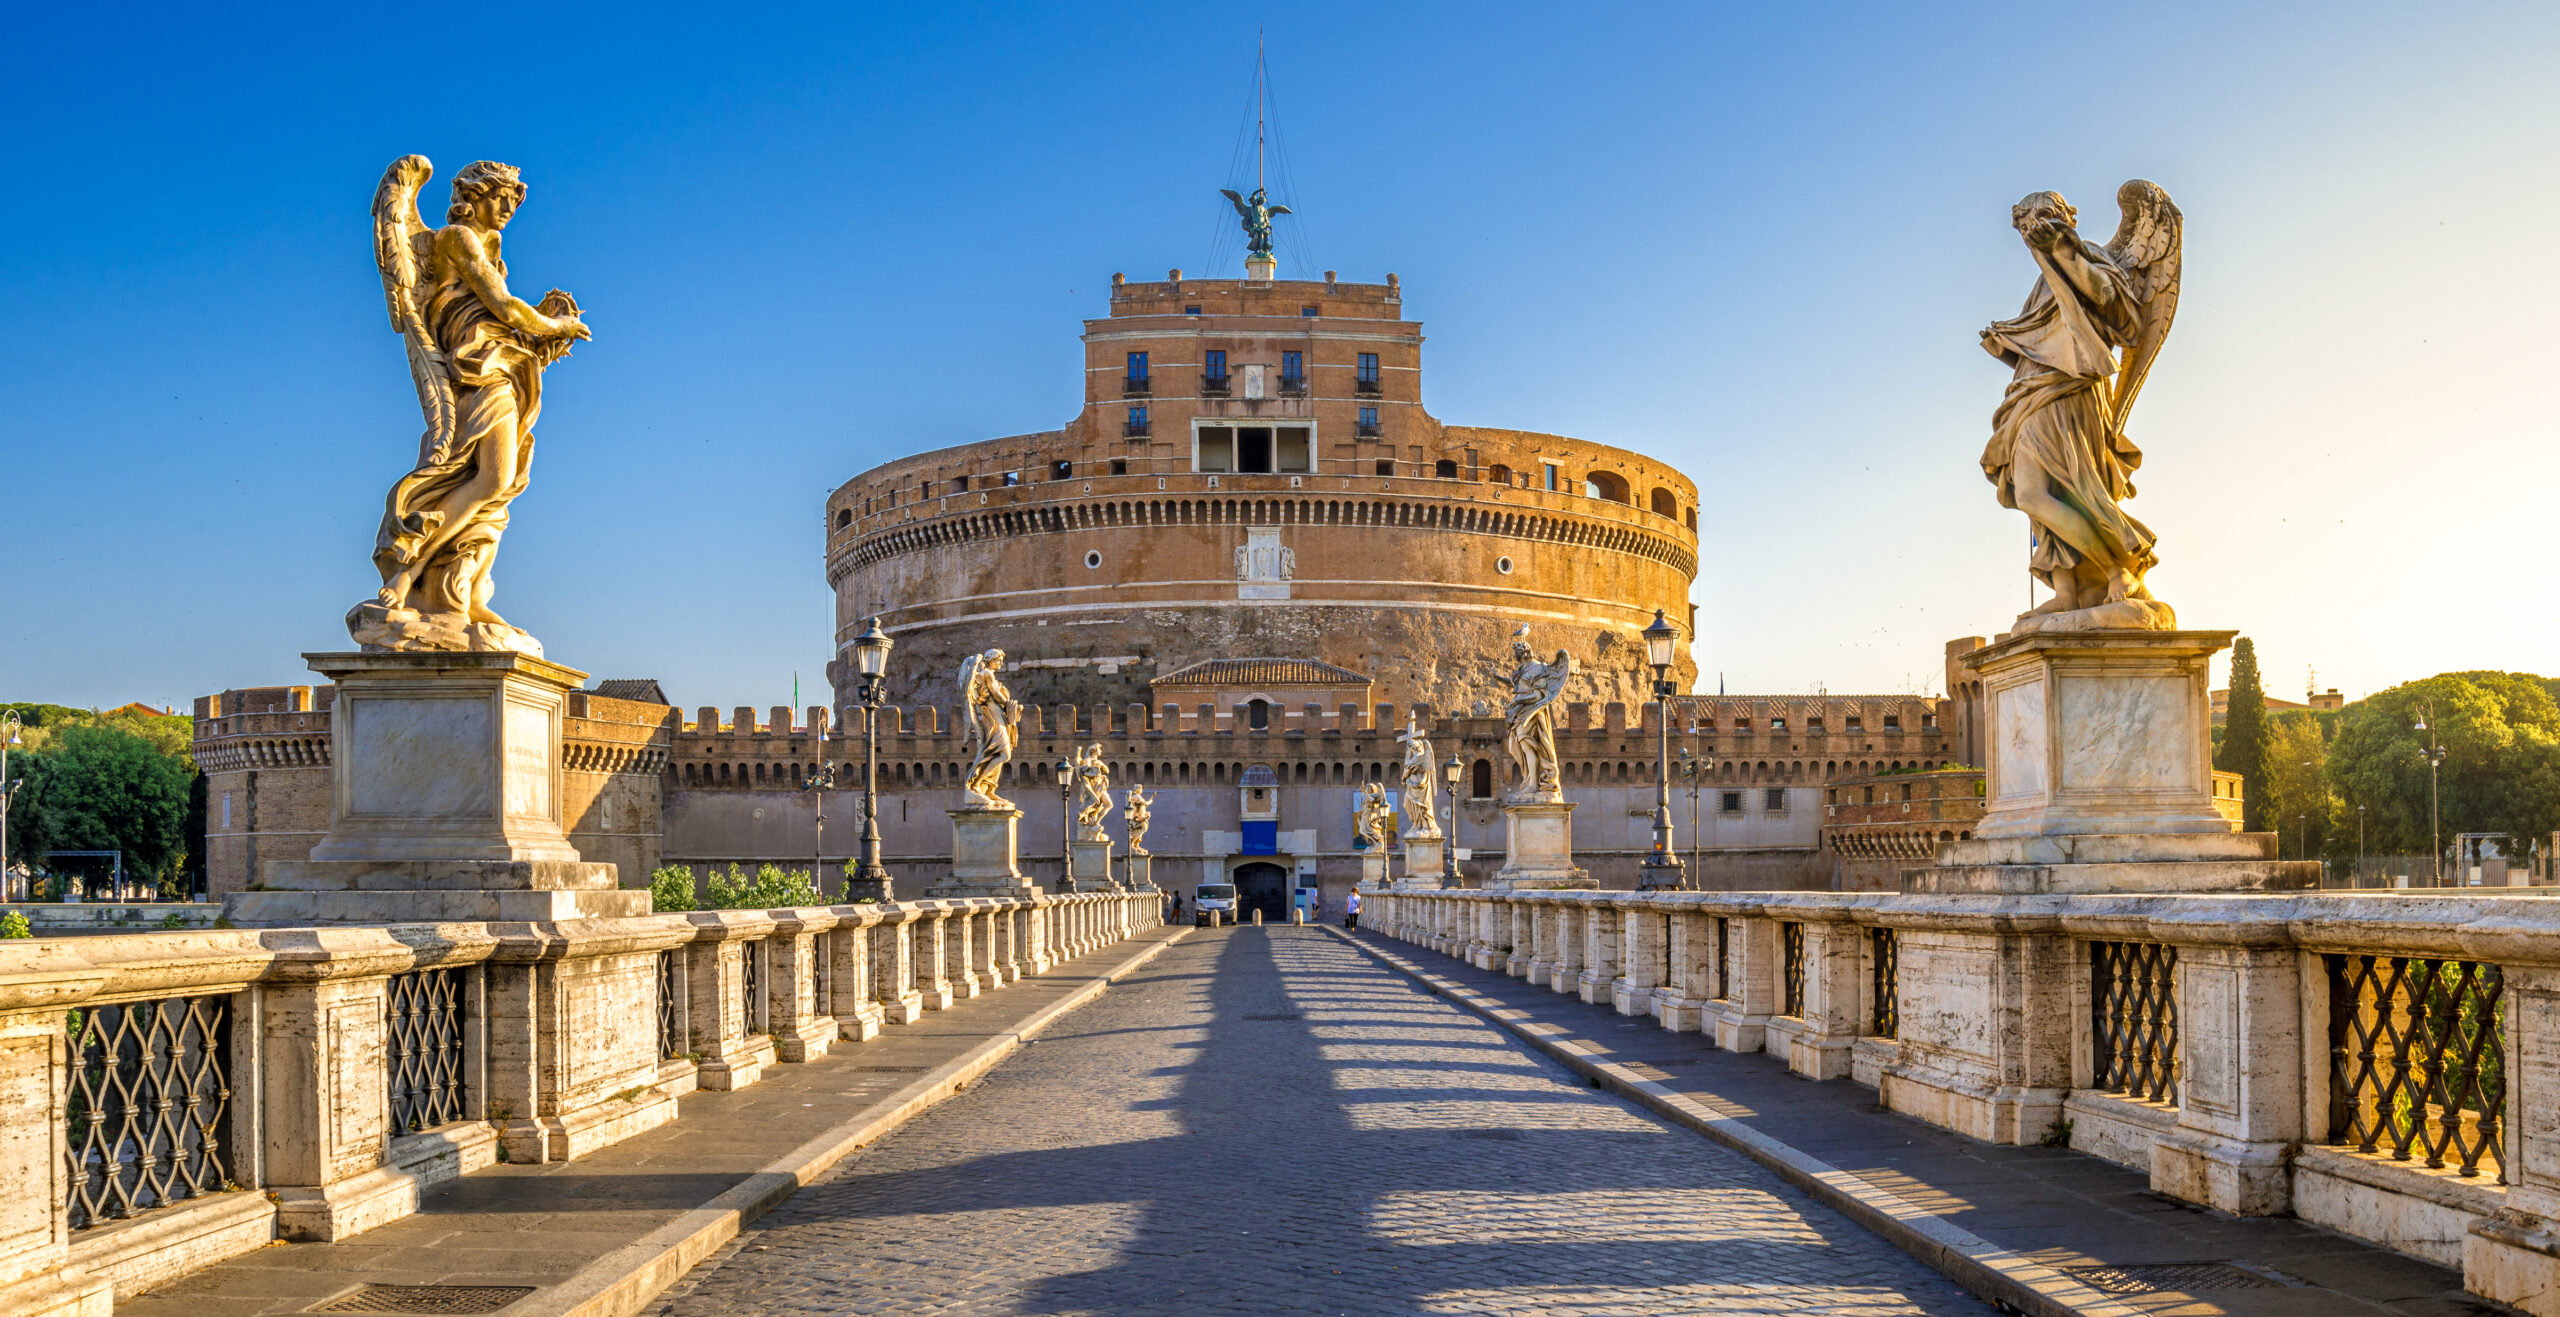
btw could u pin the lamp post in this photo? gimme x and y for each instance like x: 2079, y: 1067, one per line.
x: 1661, y: 869
x: 1066, y: 825
x: 821, y: 779
x: 1693, y: 769
x: 11, y: 723
x: 1450, y: 772
x: 2359, y: 843
x: 871, y: 665
x: 2434, y: 755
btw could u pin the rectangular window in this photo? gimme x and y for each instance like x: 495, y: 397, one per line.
x: 1368, y: 367
x: 1386, y: 466
x: 1857, y: 723
x: 1191, y: 310
x: 1119, y: 466
x: 1368, y: 420
x: 1253, y: 450
x: 1137, y: 368
x: 1296, y: 453
x: 1731, y: 803
x: 1213, y: 364
x: 1062, y: 470
x: 1293, y: 367
x: 1137, y: 420
x: 1217, y: 451
x: 1742, y: 725
x: 1893, y: 722
x: 1306, y: 310
x: 1555, y: 478
x: 1777, y: 724
x: 1775, y: 801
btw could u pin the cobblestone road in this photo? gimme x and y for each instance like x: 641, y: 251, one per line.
x: 1266, y: 1121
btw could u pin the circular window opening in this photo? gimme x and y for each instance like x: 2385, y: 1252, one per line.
x: 1502, y: 565
x: 1092, y: 558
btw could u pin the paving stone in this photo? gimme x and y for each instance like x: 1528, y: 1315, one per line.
x: 1164, y: 1151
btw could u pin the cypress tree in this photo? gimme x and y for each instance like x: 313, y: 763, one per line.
x: 2244, y: 735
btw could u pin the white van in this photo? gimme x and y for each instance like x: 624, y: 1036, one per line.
x: 1213, y: 896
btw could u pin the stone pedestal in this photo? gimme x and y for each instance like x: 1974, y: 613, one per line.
x: 2101, y: 774
x: 1090, y: 865
x: 444, y: 800
x: 1422, y: 860
x: 1260, y: 267
x: 983, y: 855
x: 1540, y: 850
x: 1142, y: 872
x: 1373, y: 869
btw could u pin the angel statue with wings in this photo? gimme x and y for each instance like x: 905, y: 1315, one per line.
x: 1256, y: 213
x: 476, y: 353
x: 987, y: 741
x: 1372, y: 819
x: 2059, y: 453
x: 1093, y: 794
x: 1531, y: 737
x: 1420, y: 820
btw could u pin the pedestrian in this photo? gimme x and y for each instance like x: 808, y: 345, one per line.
x: 1351, y: 910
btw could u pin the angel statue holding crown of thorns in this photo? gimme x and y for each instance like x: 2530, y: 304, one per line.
x: 476, y: 354
x: 2080, y: 351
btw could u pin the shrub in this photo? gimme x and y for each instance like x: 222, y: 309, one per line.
x: 14, y: 924
x: 671, y: 889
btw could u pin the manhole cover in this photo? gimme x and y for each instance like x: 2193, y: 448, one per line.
x: 1274, y: 1017
x: 2169, y: 1277
x: 427, y: 1298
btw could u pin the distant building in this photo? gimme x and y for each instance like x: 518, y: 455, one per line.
x: 2326, y: 701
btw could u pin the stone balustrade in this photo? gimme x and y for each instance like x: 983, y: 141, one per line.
x: 177, y: 1098
x: 2384, y: 1065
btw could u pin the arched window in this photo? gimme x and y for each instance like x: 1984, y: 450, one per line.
x: 1445, y: 469
x: 1480, y: 784
x: 1257, y: 715
x: 844, y: 518
x: 1664, y: 505
x: 1497, y: 474
x: 1607, y: 484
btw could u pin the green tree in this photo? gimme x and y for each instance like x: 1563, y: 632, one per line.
x: 2501, y: 772
x: 97, y: 786
x: 671, y: 889
x: 2299, y: 802
x: 2244, y: 736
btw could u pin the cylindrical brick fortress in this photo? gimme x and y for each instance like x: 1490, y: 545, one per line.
x: 1253, y: 475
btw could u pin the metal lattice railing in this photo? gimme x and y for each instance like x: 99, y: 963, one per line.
x: 1885, y: 1018
x: 751, y: 985
x: 1791, y: 954
x: 2418, y: 1060
x: 2133, y: 1018
x: 1724, y: 962
x: 425, y: 1023
x: 670, y: 1004
x: 149, y: 1105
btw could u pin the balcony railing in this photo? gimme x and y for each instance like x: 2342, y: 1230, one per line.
x: 1214, y: 386
x: 1134, y: 430
x: 1134, y: 388
x: 1293, y: 386
x: 1365, y: 388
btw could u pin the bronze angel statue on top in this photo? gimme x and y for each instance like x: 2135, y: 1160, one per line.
x: 2092, y: 327
x: 476, y: 354
x: 1255, y: 213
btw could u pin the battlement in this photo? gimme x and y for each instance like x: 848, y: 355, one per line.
x: 1292, y: 298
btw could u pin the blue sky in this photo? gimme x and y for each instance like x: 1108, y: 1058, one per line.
x: 1757, y: 240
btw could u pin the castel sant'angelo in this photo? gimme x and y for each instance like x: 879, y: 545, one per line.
x: 1248, y: 562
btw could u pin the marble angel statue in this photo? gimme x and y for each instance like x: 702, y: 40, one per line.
x: 2080, y: 351
x: 476, y: 355
x: 1093, y: 794
x: 1420, y: 820
x: 1372, y: 818
x: 986, y: 741
x: 1531, y: 736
